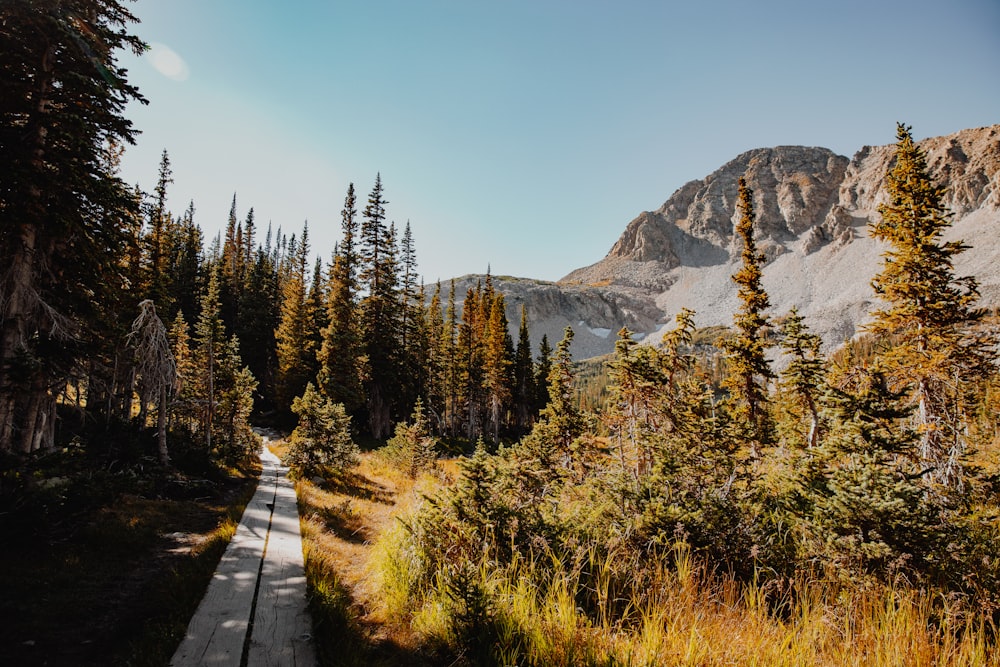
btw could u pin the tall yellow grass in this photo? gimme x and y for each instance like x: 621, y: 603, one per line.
x: 677, y: 613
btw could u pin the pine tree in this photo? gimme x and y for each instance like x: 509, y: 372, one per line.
x: 261, y: 304
x: 209, y: 340
x: 435, y: 388
x: 294, y: 337
x: 65, y: 217
x: 803, y: 377
x: 380, y: 313
x: 315, y: 316
x: 322, y: 438
x: 542, y: 369
x: 633, y: 417
x: 158, y: 241
x: 186, y: 410
x: 184, y: 273
x: 747, y: 364
x: 497, y: 364
x: 524, y: 375
x: 929, y: 311
x: 470, y: 364
x: 234, y: 387
x: 870, y: 516
x: 547, y: 452
x: 450, y: 368
x: 412, y: 447
x: 232, y: 270
x: 692, y: 488
x: 339, y: 372
x: 413, y: 345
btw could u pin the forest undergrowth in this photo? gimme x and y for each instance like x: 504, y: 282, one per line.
x: 107, y: 554
x: 375, y: 602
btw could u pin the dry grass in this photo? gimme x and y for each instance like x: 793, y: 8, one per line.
x: 363, y: 570
x: 341, y: 518
x: 682, y: 616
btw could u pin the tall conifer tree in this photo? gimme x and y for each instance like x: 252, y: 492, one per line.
x: 929, y: 311
x: 379, y: 312
x: 158, y: 242
x: 64, y: 215
x: 339, y: 372
x: 524, y: 374
x: 748, y: 368
x: 294, y: 337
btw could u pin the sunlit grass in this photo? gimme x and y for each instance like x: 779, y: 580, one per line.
x: 680, y: 614
x: 341, y: 517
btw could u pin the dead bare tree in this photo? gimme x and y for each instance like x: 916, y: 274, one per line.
x: 156, y: 370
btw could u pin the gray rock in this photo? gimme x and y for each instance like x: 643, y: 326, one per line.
x: 813, y: 209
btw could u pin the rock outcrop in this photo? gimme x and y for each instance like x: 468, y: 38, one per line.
x: 813, y: 208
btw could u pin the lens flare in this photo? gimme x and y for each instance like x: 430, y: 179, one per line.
x: 167, y: 62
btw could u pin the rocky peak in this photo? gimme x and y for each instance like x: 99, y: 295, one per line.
x: 804, y: 199
x: 813, y: 209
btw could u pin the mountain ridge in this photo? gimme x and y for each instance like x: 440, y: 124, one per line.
x: 812, y: 207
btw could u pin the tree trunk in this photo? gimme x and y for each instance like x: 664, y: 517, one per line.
x: 161, y: 426
x: 13, y: 338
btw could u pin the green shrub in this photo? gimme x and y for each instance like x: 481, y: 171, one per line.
x: 322, y: 438
x: 412, y: 449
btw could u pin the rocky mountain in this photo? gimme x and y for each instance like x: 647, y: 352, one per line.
x: 813, y: 208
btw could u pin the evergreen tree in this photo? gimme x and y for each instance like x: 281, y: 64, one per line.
x: 322, y: 438
x: 184, y: 273
x: 158, y: 241
x: 436, y: 379
x: 542, y: 369
x: 156, y: 370
x: 694, y: 489
x: 234, y: 387
x: 65, y: 217
x: 450, y: 368
x: 929, y: 311
x: 380, y: 314
x: 803, y: 377
x: 470, y: 365
x: 870, y: 516
x: 209, y: 340
x: 186, y: 409
x: 546, y: 454
x: 232, y: 270
x: 633, y: 417
x: 413, y: 344
x: 315, y: 315
x: 747, y: 364
x: 339, y: 372
x: 295, y: 337
x: 497, y: 364
x: 524, y: 375
x: 261, y: 306
x: 412, y: 447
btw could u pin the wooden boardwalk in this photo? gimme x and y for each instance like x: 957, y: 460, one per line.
x: 254, y: 611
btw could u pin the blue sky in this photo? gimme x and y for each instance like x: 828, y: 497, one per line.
x: 524, y: 135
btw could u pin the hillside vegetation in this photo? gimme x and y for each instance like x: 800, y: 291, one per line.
x: 842, y: 511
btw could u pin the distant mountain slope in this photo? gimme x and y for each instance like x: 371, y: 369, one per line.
x: 813, y: 208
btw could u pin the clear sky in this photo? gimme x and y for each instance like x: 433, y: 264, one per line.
x: 523, y: 135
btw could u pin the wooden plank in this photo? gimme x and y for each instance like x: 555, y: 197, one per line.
x: 282, y: 627
x: 218, y: 629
